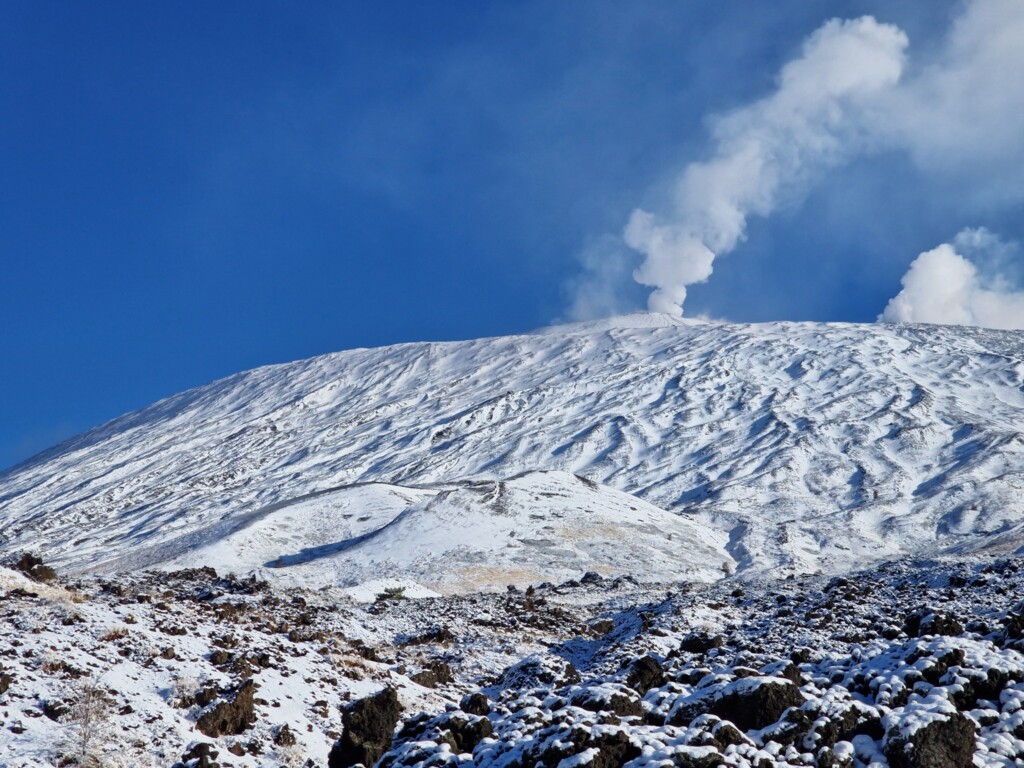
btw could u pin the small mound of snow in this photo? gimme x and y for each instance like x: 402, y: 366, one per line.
x: 11, y: 579
x: 367, y: 591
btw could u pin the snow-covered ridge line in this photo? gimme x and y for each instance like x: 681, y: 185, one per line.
x: 804, y: 446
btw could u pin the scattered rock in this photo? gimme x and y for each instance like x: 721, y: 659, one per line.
x: 230, y: 717
x: 32, y: 566
x: 537, y: 671
x: 467, y: 732
x: 607, y: 699
x: 727, y: 734
x: 946, y: 743
x: 607, y: 749
x: 602, y: 627
x: 55, y: 709
x: 645, y: 673
x: 755, y: 702
x: 284, y: 736
x: 369, y: 726
x: 204, y: 755
x: 436, y: 673
x: 927, y: 622
x: 701, y: 643
x: 475, y: 704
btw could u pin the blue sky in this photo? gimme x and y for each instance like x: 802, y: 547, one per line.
x: 192, y: 189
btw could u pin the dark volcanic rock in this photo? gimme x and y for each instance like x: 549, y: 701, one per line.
x: 230, y: 717
x: 947, y: 743
x: 369, y: 725
x: 701, y: 643
x: 33, y: 567
x: 621, y: 702
x: 284, y: 736
x: 756, y: 702
x: 475, y: 704
x: 468, y: 731
x: 645, y: 673
x: 203, y: 755
x: 55, y: 709
x: 926, y: 622
x: 436, y: 673
x: 612, y: 749
x: 696, y: 759
x: 534, y: 672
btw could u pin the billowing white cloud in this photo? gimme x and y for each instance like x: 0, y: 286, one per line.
x: 958, y: 113
x: 961, y: 113
x: 942, y: 286
x: 767, y: 153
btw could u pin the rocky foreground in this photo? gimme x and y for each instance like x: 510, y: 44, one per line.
x: 907, y: 664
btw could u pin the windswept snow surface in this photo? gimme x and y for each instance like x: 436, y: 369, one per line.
x: 777, y: 448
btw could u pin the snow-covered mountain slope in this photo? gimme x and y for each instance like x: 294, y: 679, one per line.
x: 478, y: 535
x: 799, y: 445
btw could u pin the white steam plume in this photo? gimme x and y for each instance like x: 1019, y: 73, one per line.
x: 942, y: 286
x: 768, y: 153
x: 958, y: 116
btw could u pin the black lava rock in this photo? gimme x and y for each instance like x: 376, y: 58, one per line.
x: 369, y: 726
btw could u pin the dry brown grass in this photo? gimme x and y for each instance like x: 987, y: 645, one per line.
x: 114, y: 633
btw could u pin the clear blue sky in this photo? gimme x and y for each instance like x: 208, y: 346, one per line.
x: 191, y: 189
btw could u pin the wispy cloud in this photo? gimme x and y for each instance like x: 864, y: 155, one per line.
x: 597, y: 291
